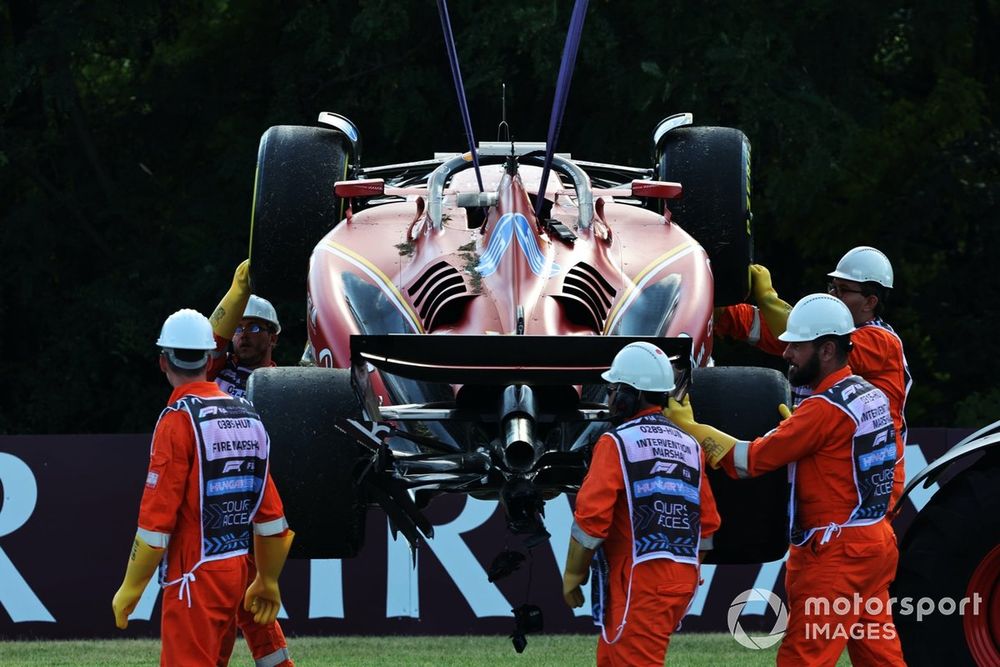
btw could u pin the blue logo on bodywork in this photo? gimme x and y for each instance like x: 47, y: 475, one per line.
x: 509, y: 225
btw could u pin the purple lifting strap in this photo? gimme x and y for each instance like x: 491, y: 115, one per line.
x: 456, y: 75
x: 562, y: 92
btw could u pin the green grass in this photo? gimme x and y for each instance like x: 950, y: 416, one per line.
x: 697, y: 650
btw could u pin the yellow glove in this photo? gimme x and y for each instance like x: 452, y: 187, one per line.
x: 141, y: 566
x: 577, y: 572
x: 227, y: 314
x: 263, y: 598
x: 715, y: 443
x: 772, y: 308
x: 784, y: 411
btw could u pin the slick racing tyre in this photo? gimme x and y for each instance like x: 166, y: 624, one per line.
x: 713, y: 166
x: 743, y: 402
x: 951, y: 553
x: 294, y: 206
x: 313, y: 464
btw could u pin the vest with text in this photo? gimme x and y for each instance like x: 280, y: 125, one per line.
x: 907, y: 378
x: 873, y: 455
x: 232, y: 459
x: 232, y: 379
x: 661, y: 466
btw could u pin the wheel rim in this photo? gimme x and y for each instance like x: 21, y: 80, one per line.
x: 982, y: 630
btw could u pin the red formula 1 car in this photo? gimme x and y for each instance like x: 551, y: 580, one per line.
x: 457, y: 338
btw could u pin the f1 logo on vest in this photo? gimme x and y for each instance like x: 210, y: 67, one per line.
x: 663, y: 466
x: 848, y: 392
x: 231, y: 466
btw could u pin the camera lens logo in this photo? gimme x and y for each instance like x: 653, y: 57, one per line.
x: 780, y: 623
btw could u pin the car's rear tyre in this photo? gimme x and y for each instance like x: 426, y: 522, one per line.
x: 743, y: 402
x: 313, y: 464
x: 713, y: 166
x: 294, y: 207
x: 950, y: 551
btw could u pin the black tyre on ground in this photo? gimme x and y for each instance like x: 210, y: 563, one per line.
x: 313, y: 464
x: 294, y: 207
x: 952, y: 551
x: 713, y: 166
x: 743, y: 402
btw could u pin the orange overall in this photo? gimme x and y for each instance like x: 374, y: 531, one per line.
x: 199, y: 616
x: 264, y: 641
x: 876, y: 355
x: 849, y: 564
x: 661, y: 588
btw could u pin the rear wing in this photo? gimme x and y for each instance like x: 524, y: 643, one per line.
x: 506, y: 360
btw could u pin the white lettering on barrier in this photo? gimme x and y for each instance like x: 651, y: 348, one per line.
x: 559, y: 521
x: 144, y: 609
x: 20, y: 493
x: 707, y: 573
x: 915, y: 462
x: 767, y: 577
x: 460, y: 563
x: 402, y: 595
x: 326, y: 588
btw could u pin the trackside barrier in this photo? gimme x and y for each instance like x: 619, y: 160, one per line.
x: 80, y: 494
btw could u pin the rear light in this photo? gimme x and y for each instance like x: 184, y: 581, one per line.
x: 370, y: 187
x: 656, y: 189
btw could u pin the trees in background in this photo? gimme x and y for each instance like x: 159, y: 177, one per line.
x: 128, y: 138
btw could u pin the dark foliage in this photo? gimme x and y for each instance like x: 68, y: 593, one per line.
x: 129, y: 134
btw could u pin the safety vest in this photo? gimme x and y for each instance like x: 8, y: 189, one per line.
x: 232, y: 448
x: 907, y: 378
x: 661, y: 467
x: 232, y: 379
x: 801, y: 393
x: 873, y: 457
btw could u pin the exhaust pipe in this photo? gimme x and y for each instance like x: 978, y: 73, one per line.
x: 518, y: 446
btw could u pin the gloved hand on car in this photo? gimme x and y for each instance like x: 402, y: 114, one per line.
x: 714, y: 442
x: 772, y: 308
x: 228, y: 313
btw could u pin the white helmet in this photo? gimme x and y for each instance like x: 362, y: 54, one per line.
x: 643, y: 366
x: 817, y: 315
x: 262, y: 309
x: 186, y: 329
x: 864, y: 264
